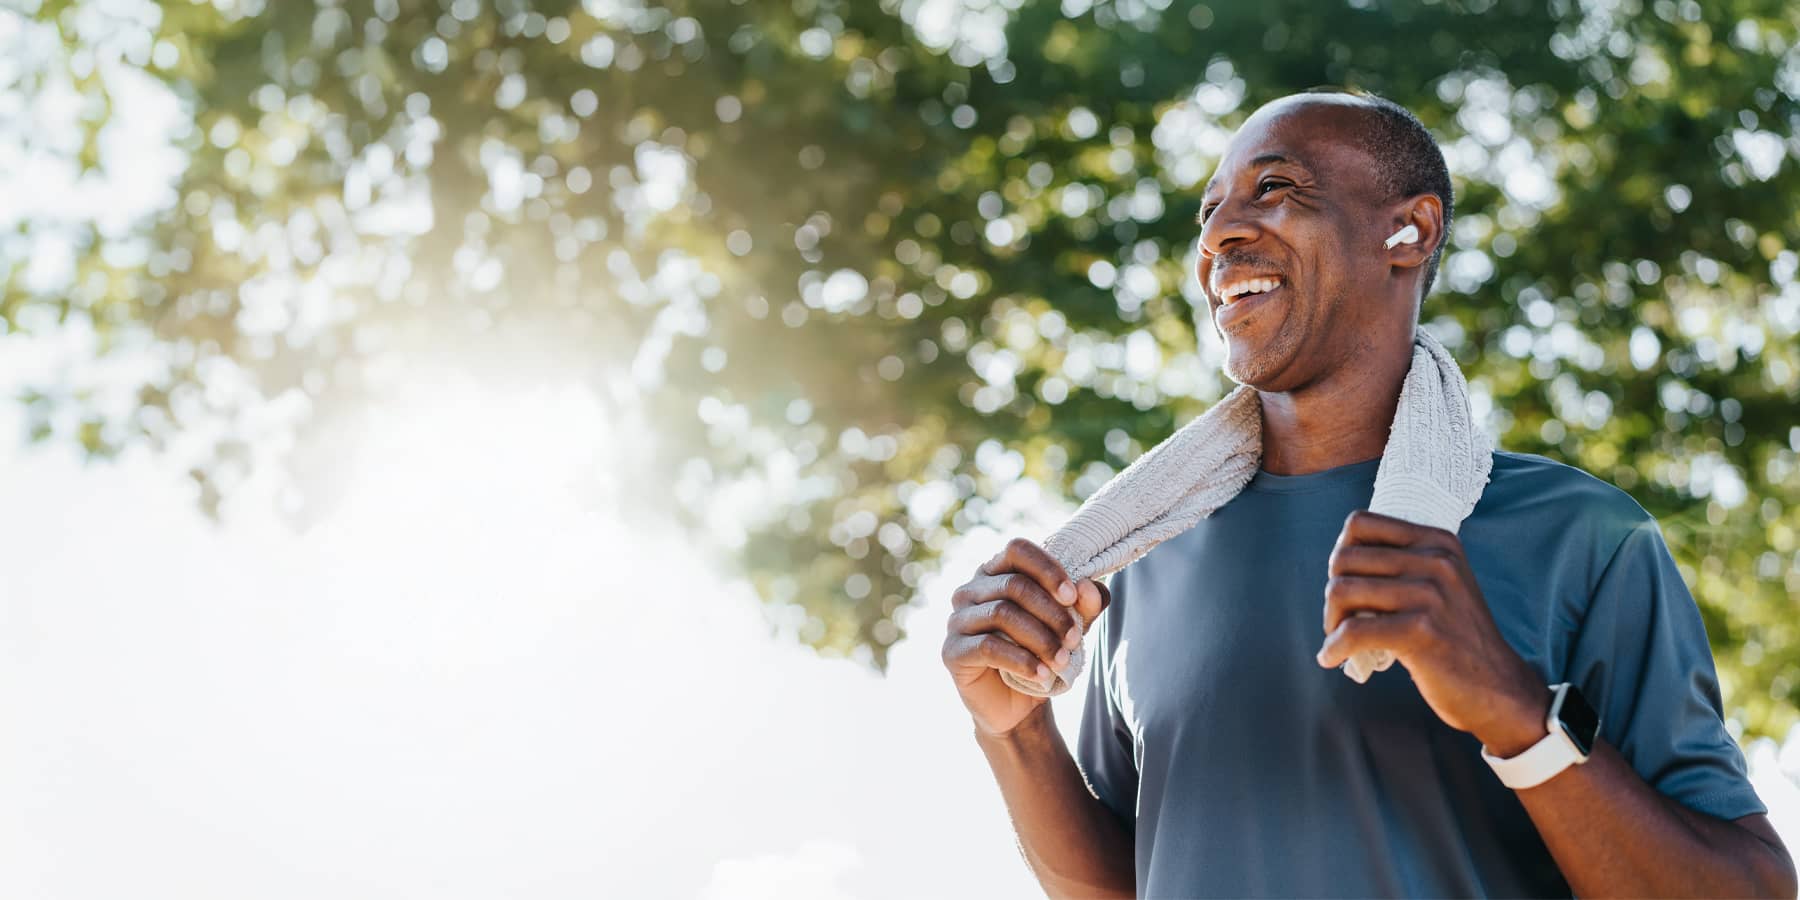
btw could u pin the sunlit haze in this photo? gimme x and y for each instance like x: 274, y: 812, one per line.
x: 467, y: 680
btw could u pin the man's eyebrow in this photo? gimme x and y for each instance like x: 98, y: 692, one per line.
x: 1263, y: 160
x: 1269, y: 158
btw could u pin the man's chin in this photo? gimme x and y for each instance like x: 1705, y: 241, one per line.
x: 1263, y: 368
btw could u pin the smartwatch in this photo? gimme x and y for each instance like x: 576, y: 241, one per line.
x: 1573, y: 726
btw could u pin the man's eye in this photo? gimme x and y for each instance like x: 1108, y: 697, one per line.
x: 1262, y: 187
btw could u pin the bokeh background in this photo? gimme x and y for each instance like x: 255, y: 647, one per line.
x: 461, y: 448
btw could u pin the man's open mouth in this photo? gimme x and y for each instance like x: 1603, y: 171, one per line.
x: 1239, y: 288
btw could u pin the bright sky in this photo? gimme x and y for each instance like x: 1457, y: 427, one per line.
x: 468, y: 680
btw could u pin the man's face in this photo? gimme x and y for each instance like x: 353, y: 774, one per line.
x: 1291, y: 248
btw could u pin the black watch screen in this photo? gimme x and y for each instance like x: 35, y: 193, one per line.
x: 1578, y: 719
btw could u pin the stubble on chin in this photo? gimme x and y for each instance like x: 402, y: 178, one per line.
x: 1261, y: 367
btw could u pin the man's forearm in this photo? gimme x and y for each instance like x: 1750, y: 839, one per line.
x: 1612, y: 834
x: 1075, y: 845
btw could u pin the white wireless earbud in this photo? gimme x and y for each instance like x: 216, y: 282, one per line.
x: 1407, y: 235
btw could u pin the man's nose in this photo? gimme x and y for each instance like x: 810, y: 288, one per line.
x: 1227, y: 226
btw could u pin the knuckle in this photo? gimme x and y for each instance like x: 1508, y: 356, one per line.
x: 1017, y: 586
x: 979, y: 651
x: 1018, y: 546
x: 1335, y: 562
x: 985, y: 648
x: 982, y: 616
x: 963, y: 650
x: 1025, y: 628
x: 1336, y: 589
x: 1417, y: 631
x: 1000, y: 612
x: 963, y: 595
x: 1012, y: 618
x: 1423, y: 594
x: 1442, y: 566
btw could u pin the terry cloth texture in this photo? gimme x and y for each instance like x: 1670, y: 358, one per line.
x: 1432, y: 472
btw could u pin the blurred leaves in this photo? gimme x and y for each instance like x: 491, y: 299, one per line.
x: 878, y: 266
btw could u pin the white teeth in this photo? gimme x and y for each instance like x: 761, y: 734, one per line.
x: 1233, y: 291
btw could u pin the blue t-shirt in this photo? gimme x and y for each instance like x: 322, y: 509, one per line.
x: 1248, y: 770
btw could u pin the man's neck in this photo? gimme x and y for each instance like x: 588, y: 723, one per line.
x: 1341, y: 420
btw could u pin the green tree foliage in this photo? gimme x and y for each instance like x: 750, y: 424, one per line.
x: 883, y: 262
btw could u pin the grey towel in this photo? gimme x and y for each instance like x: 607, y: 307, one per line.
x: 1432, y: 472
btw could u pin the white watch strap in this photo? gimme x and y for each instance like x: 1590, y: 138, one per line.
x: 1538, y: 764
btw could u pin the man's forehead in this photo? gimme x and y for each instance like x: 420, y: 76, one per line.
x: 1307, y: 130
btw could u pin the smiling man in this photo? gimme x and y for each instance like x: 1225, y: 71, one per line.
x: 1554, y: 724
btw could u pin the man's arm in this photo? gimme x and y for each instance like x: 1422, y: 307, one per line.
x: 1613, y: 834
x: 1074, y: 843
x: 1609, y: 830
x: 1023, y: 614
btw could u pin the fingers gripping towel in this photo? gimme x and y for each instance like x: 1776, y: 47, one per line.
x: 1432, y: 472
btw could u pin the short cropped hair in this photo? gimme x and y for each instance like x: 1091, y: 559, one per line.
x: 1408, y: 162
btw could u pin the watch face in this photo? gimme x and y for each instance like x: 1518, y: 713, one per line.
x: 1579, y: 721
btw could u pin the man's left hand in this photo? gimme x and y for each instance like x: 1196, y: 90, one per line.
x: 1430, y: 614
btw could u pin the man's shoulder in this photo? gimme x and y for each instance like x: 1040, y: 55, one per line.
x: 1530, y: 476
x: 1539, y: 492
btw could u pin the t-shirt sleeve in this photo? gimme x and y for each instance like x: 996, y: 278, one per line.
x: 1642, y: 658
x: 1104, y: 747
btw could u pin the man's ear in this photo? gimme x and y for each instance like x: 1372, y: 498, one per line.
x: 1424, y: 213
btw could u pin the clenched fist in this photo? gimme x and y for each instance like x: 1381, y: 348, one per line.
x: 1020, y: 613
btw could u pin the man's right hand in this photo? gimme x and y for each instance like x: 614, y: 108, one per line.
x: 1024, y: 594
